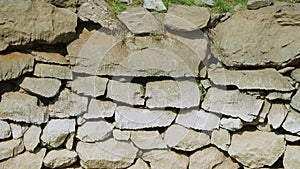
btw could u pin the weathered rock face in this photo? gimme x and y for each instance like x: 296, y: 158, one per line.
x: 11, y: 148
x: 121, y: 135
x: 241, y: 46
x: 295, y: 74
x: 139, y: 164
x: 221, y: 139
x: 32, y: 137
x: 46, y: 24
x: 18, y: 129
x: 96, y: 12
x: 60, y: 158
x: 157, y: 5
x: 100, y: 109
x: 291, y: 123
x: 206, y: 158
x: 295, y: 102
x: 277, y: 115
x: 290, y: 159
x: 256, y: 4
x: 147, y: 140
x: 15, y: 64
x: 5, y: 130
x: 256, y: 149
x: 55, y: 71
x: 90, y: 86
x: 49, y: 57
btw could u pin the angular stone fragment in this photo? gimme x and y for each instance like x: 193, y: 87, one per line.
x: 184, y: 139
x: 100, y: 109
x: 134, y: 118
x: 171, y: 93
x: 291, y: 138
x: 96, y: 12
x: 60, y: 158
x: 263, y: 79
x: 290, y: 159
x: 264, y: 111
x: 5, y: 130
x: 21, y: 107
x: 107, y: 154
x: 199, y: 120
x: 221, y: 139
x: 295, y: 102
x: 228, y: 163
x: 277, y: 115
x: 32, y: 137
x: 26, y: 160
x: 157, y: 5
x: 91, y: 86
x: 130, y: 93
x: 70, y: 141
x: 256, y: 4
x: 279, y: 96
x: 232, y: 103
x: 56, y: 131
x: 18, y: 129
x: 206, y: 158
x: 92, y: 131
x: 231, y: 124
x: 44, y: 87
x: 139, y: 164
x: 49, y: 57
x: 55, y: 71
x: 257, y: 148
x: 10, y: 148
x: 292, y: 121
x: 186, y: 18
x: 121, y: 135
x: 68, y: 104
x: 295, y: 74
x: 147, y: 140
x: 15, y: 64
x: 159, y: 159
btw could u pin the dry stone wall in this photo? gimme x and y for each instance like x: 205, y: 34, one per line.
x: 149, y: 90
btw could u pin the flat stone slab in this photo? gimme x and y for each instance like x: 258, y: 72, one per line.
x: 277, y: 115
x: 263, y: 79
x: 60, y: 158
x: 15, y: 64
x: 31, y: 137
x: 206, y: 158
x: 135, y: 118
x: 147, y: 140
x: 295, y: 102
x: 292, y: 121
x: 221, y: 139
x: 231, y: 124
x: 290, y: 159
x: 11, y: 148
x: 256, y: 4
x: 5, y: 130
x: 100, y: 109
x: 139, y: 164
x: 171, y: 93
x: 49, y: 57
x: 55, y: 71
x: 232, y: 103
x: 90, y: 86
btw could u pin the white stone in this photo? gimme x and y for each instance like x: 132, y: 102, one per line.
x: 277, y: 115
x: 291, y: 157
x: 231, y: 124
x: 147, y: 140
x: 60, y: 158
x: 70, y: 141
x: 139, y: 164
x: 100, y: 109
x: 32, y: 137
x: 292, y: 121
x: 18, y: 129
x: 55, y: 71
x: 291, y: 138
x: 279, y: 96
x: 206, y: 158
x: 5, y: 131
x: 121, y: 135
x: 10, y: 148
x: 90, y: 86
x: 221, y: 139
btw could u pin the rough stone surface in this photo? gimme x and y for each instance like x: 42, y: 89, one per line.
x: 277, y: 115
x: 161, y: 159
x: 10, y: 148
x: 157, y: 5
x: 134, y: 118
x: 232, y: 103
x: 18, y: 129
x: 49, y: 57
x: 70, y: 141
x: 90, y: 86
x: 56, y: 131
x: 231, y: 124
x: 55, y: 71
x: 147, y: 140
x: 32, y: 137
x: 206, y: 158
x: 199, y: 120
x: 279, y: 96
x: 21, y: 107
x: 291, y: 138
x: 221, y: 139
x: 181, y: 138
x: 170, y: 93
x: 295, y: 74
x: 107, y: 154
x: 5, y: 130
x: 256, y: 4
x: 130, y: 93
x: 92, y: 131
x: 228, y: 163
x: 290, y: 160
x: 257, y: 148
x: 263, y: 79
x: 295, y: 102
x: 139, y: 164
x: 292, y: 121
x: 60, y: 158
x: 248, y: 48
x: 68, y: 104
x: 121, y: 135
x: 44, y: 87
x: 46, y: 24
x: 100, y: 109
x: 186, y: 18
x: 264, y: 111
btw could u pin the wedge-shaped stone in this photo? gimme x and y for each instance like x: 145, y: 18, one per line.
x: 135, y: 118
x: 184, y: 139
x: 60, y: 158
x: 49, y: 57
x: 221, y: 139
x: 295, y: 102
x: 231, y: 124
x: 18, y: 129
x: 206, y: 158
x: 44, y: 87
x: 10, y: 148
x: 256, y: 148
x: 55, y: 71
x: 290, y: 160
x: 21, y: 107
x: 5, y: 130
x: 199, y: 120
x: 90, y: 86
x: 100, y: 109
x: 147, y: 140
x: 139, y: 164
x: 232, y: 103
x: 279, y: 96
x: 171, y: 93
x: 107, y: 154
x: 32, y: 137
x: 292, y: 121
x: 263, y: 79
x: 277, y: 115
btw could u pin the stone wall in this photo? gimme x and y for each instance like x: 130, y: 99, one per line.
x: 148, y: 90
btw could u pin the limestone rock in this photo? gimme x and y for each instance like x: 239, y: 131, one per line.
x: 157, y: 5
x: 70, y: 141
x: 171, y: 93
x: 279, y: 96
x: 291, y: 138
x: 231, y: 124
x: 55, y: 71
x: 90, y: 86
x: 60, y: 158
x: 159, y: 159
x: 139, y: 164
x: 295, y: 74
x: 130, y: 93
x: 68, y: 104
x: 10, y: 148
x: 92, y: 131
x: 232, y: 103
x: 186, y: 18
x: 221, y: 139
x: 254, y: 48
x: 121, y: 135
x: 26, y: 160
x: 139, y: 21
x: 256, y: 4
x: 32, y: 137
x: 263, y: 79
x: 292, y: 121
x: 107, y: 154
x: 21, y: 107
x: 227, y: 163
x: 290, y: 160
x: 199, y: 120
x: 49, y: 57
x: 56, y: 131
x: 18, y: 129
x: 5, y: 130
x: 44, y: 87
x: 264, y: 111
x: 277, y: 115
x: 257, y: 148
x: 147, y: 140
x: 295, y: 102
x: 46, y: 24
x: 206, y: 158
x: 134, y: 118
x: 184, y: 139
x: 100, y: 109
